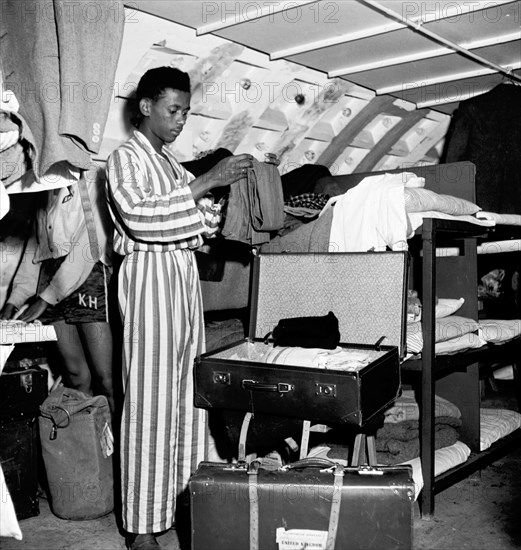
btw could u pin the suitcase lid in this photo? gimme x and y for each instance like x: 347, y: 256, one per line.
x: 367, y: 291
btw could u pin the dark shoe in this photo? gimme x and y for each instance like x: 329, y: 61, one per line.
x: 142, y: 542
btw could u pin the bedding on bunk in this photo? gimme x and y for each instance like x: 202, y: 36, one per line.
x: 398, y: 440
x: 406, y: 408
x: 499, y: 331
x: 380, y: 212
x: 452, y: 333
x: 416, y: 218
x: 499, y: 247
x: 459, y: 345
x: 371, y: 216
x: 444, y: 459
x: 495, y: 424
x: 443, y: 308
x: 500, y: 219
x: 447, y: 306
x: 425, y: 200
x: 489, y: 247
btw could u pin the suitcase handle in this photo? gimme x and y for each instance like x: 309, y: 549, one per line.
x: 280, y: 387
x: 313, y: 462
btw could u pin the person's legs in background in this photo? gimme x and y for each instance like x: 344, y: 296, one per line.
x: 85, y: 339
x: 96, y: 339
x: 75, y: 369
x: 86, y: 353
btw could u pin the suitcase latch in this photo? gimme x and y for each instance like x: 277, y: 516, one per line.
x: 26, y: 381
x: 222, y: 378
x: 366, y: 470
x: 325, y: 390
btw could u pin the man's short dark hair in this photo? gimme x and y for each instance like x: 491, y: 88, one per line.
x: 155, y: 81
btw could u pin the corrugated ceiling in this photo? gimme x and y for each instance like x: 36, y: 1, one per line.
x: 431, y: 53
x: 354, y: 85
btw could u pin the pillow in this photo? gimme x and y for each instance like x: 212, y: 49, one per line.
x: 460, y: 344
x: 447, y: 306
x: 423, y: 200
x: 451, y: 328
x: 498, y: 331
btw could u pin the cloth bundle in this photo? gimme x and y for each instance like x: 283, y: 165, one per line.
x: 319, y: 358
x: 308, y: 332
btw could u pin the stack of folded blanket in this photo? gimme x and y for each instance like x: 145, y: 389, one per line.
x: 399, y: 438
x: 400, y: 442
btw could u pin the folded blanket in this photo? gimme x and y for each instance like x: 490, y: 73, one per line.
x: 406, y: 408
x: 409, y: 430
x: 396, y: 451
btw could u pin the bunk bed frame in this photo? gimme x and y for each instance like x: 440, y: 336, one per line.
x: 454, y: 377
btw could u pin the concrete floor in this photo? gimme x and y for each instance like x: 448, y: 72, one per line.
x: 482, y: 512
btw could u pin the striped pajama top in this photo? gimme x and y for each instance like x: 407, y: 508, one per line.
x: 152, y: 204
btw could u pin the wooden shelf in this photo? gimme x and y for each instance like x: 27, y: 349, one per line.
x: 477, y: 461
x: 453, y: 377
x: 451, y: 363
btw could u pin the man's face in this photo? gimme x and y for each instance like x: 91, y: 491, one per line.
x: 167, y: 115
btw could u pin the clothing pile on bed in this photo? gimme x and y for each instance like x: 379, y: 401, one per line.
x: 381, y: 212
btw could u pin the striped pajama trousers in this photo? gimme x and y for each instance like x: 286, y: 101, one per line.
x: 163, y: 437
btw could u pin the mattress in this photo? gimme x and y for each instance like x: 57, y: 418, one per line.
x: 444, y: 460
x: 495, y: 424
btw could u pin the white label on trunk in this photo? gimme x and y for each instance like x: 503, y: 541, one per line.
x: 298, y: 539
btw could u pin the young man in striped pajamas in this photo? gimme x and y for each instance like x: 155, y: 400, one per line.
x: 161, y: 214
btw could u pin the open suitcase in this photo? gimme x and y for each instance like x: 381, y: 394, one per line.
x: 367, y: 293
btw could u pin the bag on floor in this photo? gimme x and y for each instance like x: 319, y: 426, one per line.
x: 77, y: 447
